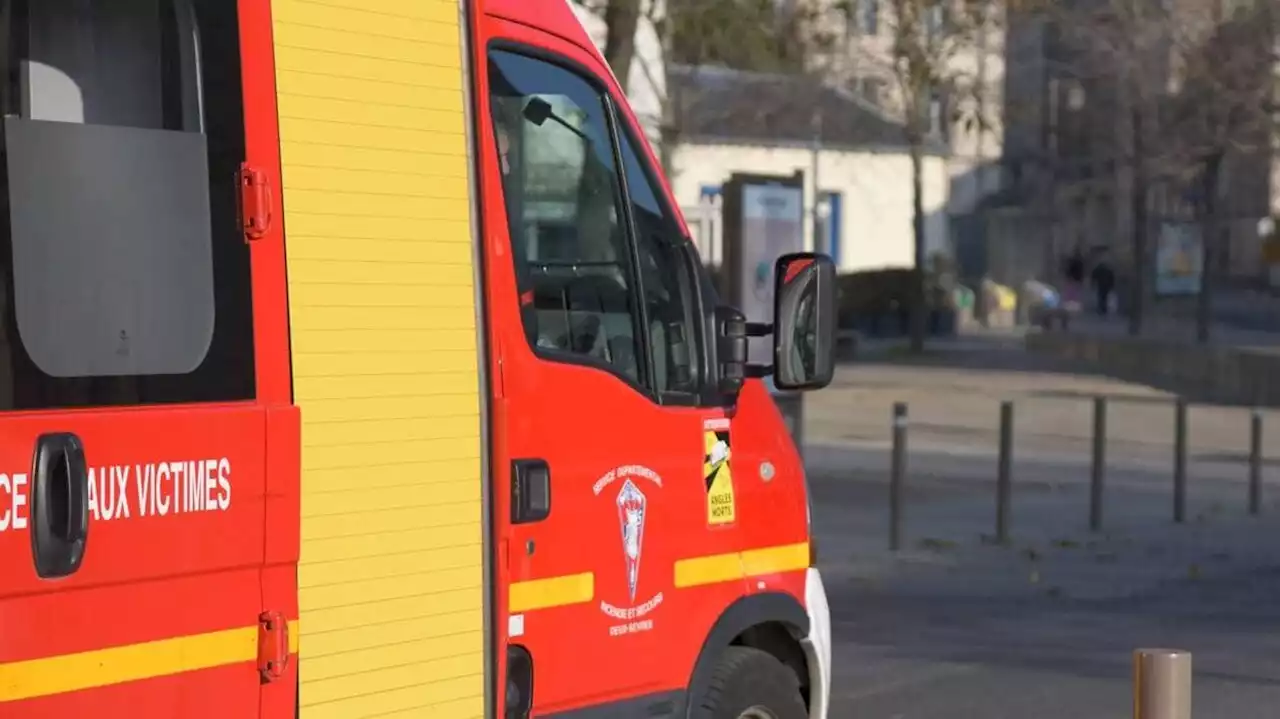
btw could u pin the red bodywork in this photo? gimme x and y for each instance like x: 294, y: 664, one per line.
x: 178, y: 576
x: 164, y: 577
x: 584, y: 423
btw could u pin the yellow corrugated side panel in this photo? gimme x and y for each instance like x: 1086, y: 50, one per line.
x: 385, y: 363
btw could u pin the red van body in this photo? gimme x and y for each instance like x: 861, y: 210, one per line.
x: 355, y: 362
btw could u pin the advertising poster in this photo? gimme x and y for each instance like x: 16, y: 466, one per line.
x: 1178, y: 259
x: 773, y: 219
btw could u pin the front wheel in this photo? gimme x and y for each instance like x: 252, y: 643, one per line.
x: 751, y: 684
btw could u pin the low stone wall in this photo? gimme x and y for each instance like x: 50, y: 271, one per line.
x: 1225, y: 374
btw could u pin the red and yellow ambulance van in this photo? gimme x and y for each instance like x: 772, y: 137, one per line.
x: 355, y: 362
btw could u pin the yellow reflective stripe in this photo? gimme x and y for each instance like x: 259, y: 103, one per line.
x: 773, y: 560
x: 103, y: 667
x: 529, y: 595
x: 716, y: 568
x: 132, y: 662
x: 551, y: 592
x: 708, y: 570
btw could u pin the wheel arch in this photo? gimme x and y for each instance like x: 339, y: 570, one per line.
x: 773, y: 622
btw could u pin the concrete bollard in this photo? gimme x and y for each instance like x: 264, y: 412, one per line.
x: 1161, y: 684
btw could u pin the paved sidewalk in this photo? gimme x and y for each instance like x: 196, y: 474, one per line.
x: 1257, y: 336
x: 954, y: 627
x: 949, y: 523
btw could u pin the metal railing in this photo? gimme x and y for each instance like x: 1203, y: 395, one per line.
x: 1098, y: 468
x: 1162, y: 678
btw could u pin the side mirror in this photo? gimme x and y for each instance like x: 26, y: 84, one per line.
x: 804, y: 321
x: 731, y: 334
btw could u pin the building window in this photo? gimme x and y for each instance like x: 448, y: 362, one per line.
x: 874, y: 90
x: 863, y: 17
x: 940, y: 120
x: 934, y: 20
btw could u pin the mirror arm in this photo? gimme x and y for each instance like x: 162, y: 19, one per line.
x: 733, y: 331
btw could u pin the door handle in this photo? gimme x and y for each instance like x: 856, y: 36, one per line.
x: 530, y: 490
x: 59, y: 505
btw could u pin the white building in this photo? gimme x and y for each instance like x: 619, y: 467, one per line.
x: 861, y: 59
x: 730, y: 122
x: 733, y: 122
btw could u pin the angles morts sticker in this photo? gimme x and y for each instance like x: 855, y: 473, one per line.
x: 715, y: 472
x: 632, y: 507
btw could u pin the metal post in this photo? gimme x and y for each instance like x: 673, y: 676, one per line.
x: 1180, y: 461
x: 897, y: 475
x: 1004, y: 478
x: 1161, y: 684
x: 1099, y: 462
x: 815, y: 158
x: 1255, y: 462
x: 791, y: 406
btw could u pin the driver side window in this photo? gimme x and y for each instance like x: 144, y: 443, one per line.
x: 563, y: 200
x: 668, y: 287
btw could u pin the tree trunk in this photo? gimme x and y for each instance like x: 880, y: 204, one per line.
x: 1208, y: 235
x: 669, y: 131
x: 919, y: 296
x: 1204, y: 299
x: 1138, y: 283
x: 668, y: 140
x: 621, y: 19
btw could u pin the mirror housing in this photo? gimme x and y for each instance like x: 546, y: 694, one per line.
x: 732, y: 333
x: 804, y: 321
x: 731, y: 350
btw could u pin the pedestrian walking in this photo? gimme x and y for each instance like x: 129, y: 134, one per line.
x: 1104, y: 283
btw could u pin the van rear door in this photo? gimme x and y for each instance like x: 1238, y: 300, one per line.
x: 132, y: 444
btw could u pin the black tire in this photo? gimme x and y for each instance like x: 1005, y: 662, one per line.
x: 747, y: 678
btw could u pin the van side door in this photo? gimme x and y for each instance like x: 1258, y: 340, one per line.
x: 132, y: 433
x: 601, y: 414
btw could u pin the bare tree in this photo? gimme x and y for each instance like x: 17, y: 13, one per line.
x: 753, y: 35
x: 1173, y: 94
x: 1118, y: 52
x: 934, y: 59
x: 1219, y: 119
x: 622, y: 19
x: 757, y: 36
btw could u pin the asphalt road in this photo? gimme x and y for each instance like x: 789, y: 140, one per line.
x: 954, y: 627
x: 947, y: 657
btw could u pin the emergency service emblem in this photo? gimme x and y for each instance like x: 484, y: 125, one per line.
x: 632, y: 507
